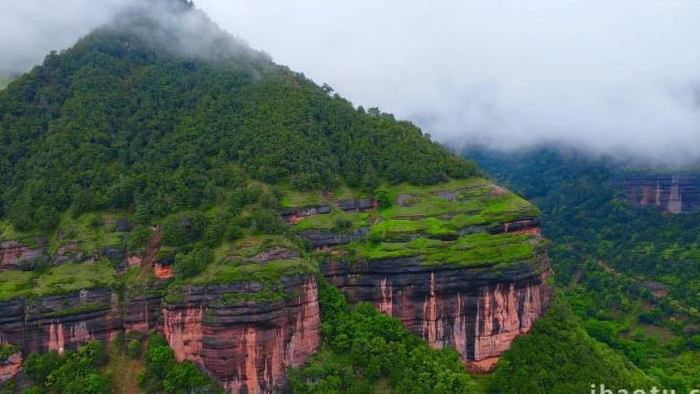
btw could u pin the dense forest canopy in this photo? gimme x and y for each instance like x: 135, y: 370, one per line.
x: 118, y: 122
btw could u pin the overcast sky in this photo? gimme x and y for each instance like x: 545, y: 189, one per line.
x: 619, y: 77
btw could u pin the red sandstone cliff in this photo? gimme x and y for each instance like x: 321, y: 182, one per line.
x: 479, y: 312
x: 669, y: 193
x: 246, y: 345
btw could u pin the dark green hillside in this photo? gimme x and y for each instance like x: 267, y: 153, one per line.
x: 559, y: 356
x: 609, y: 257
x: 115, y: 123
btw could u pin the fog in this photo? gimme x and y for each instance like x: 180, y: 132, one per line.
x: 620, y: 78
x: 29, y: 29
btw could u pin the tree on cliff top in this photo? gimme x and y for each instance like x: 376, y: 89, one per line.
x: 158, y: 114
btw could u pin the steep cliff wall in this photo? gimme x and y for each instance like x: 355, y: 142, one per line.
x: 462, y: 265
x: 243, y: 334
x: 670, y: 193
x: 246, y: 345
x: 479, y: 312
x: 60, y: 322
x: 15, y: 255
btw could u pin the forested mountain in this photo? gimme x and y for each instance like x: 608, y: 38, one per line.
x: 131, y: 117
x: 181, y: 214
x: 632, y: 273
x: 171, y: 199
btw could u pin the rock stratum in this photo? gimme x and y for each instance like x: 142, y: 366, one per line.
x: 461, y: 264
x: 669, y: 193
x: 476, y: 311
x: 244, y: 339
x: 454, y: 270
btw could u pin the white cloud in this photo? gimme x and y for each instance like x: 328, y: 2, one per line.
x: 614, y: 77
x: 617, y: 77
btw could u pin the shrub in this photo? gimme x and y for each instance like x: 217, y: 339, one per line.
x: 268, y: 221
x: 384, y: 197
x: 134, y: 348
x: 183, y: 229
x: 192, y: 263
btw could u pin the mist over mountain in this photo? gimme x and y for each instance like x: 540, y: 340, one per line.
x: 178, y: 205
x: 619, y: 79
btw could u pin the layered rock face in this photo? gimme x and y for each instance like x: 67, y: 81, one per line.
x: 58, y: 323
x: 443, y: 261
x: 10, y: 367
x: 246, y: 345
x: 64, y: 322
x: 478, y: 312
x: 233, y: 332
x: 670, y: 193
x: 14, y: 255
x: 461, y: 264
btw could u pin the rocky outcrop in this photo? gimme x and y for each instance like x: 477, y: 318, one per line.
x: 10, y: 367
x: 360, y: 205
x: 478, y: 311
x: 326, y: 238
x: 246, y: 345
x: 15, y: 255
x: 247, y: 334
x: 60, y: 322
x: 294, y: 215
x: 669, y: 193
x: 524, y: 226
x: 275, y: 253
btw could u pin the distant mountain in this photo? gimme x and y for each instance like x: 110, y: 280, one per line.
x: 628, y: 266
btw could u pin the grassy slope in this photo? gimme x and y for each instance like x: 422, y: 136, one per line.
x: 437, y: 215
x: 63, y: 279
x: 427, y: 214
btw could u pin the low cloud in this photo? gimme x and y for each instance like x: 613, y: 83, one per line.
x: 619, y: 78
x: 29, y: 29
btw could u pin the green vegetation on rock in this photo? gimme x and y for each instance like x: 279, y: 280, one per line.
x: 474, y: 250
x: 71, y: 277
x: 559, y: 357
x: 364, y: 350
x: 336, y: 221
x: 63, y: 279
x: 630, y: 274
x: 77, y: 371
x: 6, y: 351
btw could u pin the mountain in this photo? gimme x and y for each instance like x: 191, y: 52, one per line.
x: 175, y: 203
x: 628, y: 266
x: 130, y: 117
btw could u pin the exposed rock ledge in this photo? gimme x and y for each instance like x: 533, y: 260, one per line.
x: 477, y: 311
x: 247, y: 345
